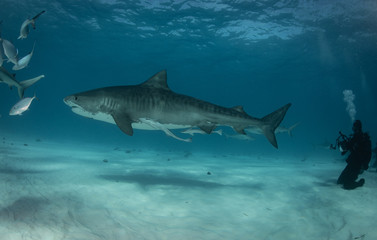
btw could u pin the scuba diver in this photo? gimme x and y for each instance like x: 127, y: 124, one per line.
x: 359, y: 146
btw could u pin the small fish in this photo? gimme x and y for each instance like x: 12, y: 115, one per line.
x: 193, y: 131
x: 159, y: 126
x: 279, y: 129
x: 10, y: 80
x: 24, y: 31
x: 10, y: 51
x: 23, y: 62
x: 21, y: 106
x: 282, y: 129
x: 240, y: 137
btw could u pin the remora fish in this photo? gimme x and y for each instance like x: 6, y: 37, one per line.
x: 193, y: 131
x: 23, y: 62
x: 24, y: 31
x: 153, y: 100
x: 159, y: 126
x: 21, y: 106
x: 9, y: 79
x: 10, y: 51
x: 240, y: 137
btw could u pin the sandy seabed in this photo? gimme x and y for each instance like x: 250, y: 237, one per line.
x: 67, y: 191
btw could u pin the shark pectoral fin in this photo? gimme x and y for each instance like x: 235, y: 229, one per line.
x: 207, y: 127
x: 124, y: 122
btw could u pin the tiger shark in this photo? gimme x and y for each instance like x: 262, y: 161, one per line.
x: 152, y: 105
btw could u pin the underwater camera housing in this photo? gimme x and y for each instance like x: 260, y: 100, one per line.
x: 341, y: 143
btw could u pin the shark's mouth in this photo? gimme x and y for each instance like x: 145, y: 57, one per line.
x: 68, y: 102
x: 74, y: 107
x: 79, y: 110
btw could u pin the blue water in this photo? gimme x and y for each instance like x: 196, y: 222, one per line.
x: 63, y: 176
x: 259, y: 54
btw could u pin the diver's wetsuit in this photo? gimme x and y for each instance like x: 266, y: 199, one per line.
x: 358, y: 160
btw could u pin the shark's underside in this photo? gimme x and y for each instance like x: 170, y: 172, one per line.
x: 153, y: 106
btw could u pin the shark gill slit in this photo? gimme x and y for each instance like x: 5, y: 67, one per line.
x: 112, y: 104
x: 109, y: 103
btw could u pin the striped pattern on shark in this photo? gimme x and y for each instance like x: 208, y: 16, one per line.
x: 129, y: 106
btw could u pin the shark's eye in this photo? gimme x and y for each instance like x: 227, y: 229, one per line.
x: 76, y: 98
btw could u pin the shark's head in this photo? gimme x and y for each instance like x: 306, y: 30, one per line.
x: 86, y: 104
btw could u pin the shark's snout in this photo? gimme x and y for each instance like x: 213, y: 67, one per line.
x: 66, y: 100
x: 69, y: 100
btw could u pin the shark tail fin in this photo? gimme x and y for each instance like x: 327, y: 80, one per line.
x: 272, y: 121
x: 27, y: 83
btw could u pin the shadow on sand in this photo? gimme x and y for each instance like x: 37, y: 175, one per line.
x: 172, y: 179
x: 23, y: 209
x: 147, y: 179
x: 11, y: 170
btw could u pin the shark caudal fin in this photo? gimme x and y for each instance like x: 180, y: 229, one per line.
x: 27, y: 83
x: 272, y: 121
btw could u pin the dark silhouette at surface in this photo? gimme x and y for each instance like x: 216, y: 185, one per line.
x: 360, y: 149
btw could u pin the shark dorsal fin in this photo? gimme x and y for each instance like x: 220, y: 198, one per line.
x: 239, y: 109
x: 157, y: 81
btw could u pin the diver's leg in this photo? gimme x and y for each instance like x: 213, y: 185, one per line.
x: 344, y: 175
x: 353, y: 185
x: 350, y: 181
